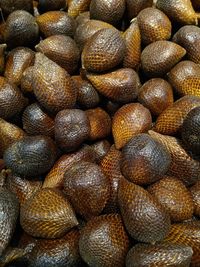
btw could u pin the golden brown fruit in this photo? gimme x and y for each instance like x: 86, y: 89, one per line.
x: 185, y: 78
x: 22, y: 188
x: 104, y: 242
x: 37, y: 121
x: 47, y: 214
x: 12, y: 100
x: 145, y: 219
x: 108, y: 11
x: 87, y: 29
x: 189, y: 38
x: 2, y: 57
x: 156, y: 95
x: 9, y: 133
x: 98, y: 118
x: 9, y: 208
x: 174, y: 197
x: 56, y: 175
x: 132, y: 39
x: 31, y: 156
x: 170, y: 121
x: 160, y: 57
x: 179, y: 11
x: 121, y: 85
x: 195, y: 191
x: 56, y: 22
x: 8, y: 6
x: 110, y: 166
x: 103, y: 51
x: 87, y: 96
x: 187, y: 234
x: 75, y: 7
x: 87, y: 189
x: 144, y: 160
x: 57, y: 252
x: 154, y: 25
x: 21, y: 29
x: 27, y: 80
x: 18, y: 60
x: 182, y: 166
x: 134, y: 7
x: 159, y: 255
x: 100, y: 148
x: 46, y: 5
x: 52, y: 85
x: 72, y: 128
x: 129, y: 120
x: 62, y: 50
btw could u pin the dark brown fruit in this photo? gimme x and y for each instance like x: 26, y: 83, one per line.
x: 59, y: 252
x: 104, y: 242
x: 121, y: 85
x: 191, y: 130
x: 46, y: 5
x: 160, y: 57
x: 129, y: 120
x: 36, y: 121
x: 87, y: 29
x: 132, y: 39
x: 9, y: 208
x: 22, y: 188
x: 100, y: 148
x: 52, y: 86
x: 189, y: 38
x: 174, y: 197
x: 134, y: 7
x: 108, y: 11
x: 11, y: 99
x: 56, y: 175
x: 100, y: 123
x: 27, y: 80
x: 159, y: 255
x: 171, y: 119
x: 87, y: 189
x: 103, y: 51
x: 72, y: 128
x: 144, y: 160
x: 187, y: 234
x: 62, y: 50
x: 145, y: 219
x: 182, y: 166
x: 56, y: 22
x: 154, y: 25
x: 2, y: 57
x: 195, y: 191
x: 185, y: 78
x: 8, y: 6
x: 75, y: 7
x: 47, y: 214
x: 19, y: 59
x: 179, y: 11
x: 87, y: 96
x: 110, y: 166
x: 31, y: 156
x: 156, y: 95
x: 9, y: 133
x: 21, y: 29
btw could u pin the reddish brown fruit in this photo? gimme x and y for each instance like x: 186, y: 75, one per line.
x: 145, y: 219
x: 100, y: 149
x: 179, y: 205
x: 62, y: 50
x: 98, y: 118
x: 156, y: 95
x: 154, y: 25
x: 27, y: 80
x: 87, y: 189
x: 119, y: 86
x: 52, y: 86
x: 75, y: 7
x: 2, y: 57
x: 104, y: 242
x: 103, y: 51
x: 134, y: 7
x: 46, y: 5
x: 129, y: 120
x: 195, y: 191
x: 160, y: 57
x: 47, y: 214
